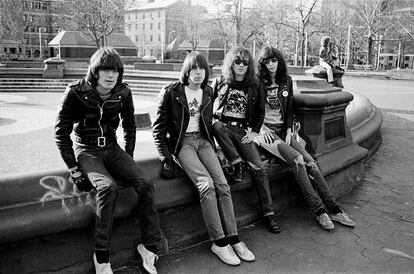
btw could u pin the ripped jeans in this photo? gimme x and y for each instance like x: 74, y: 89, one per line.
x: 306, y: 171
x: 200, y: 162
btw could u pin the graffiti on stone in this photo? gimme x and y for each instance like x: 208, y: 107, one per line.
x: 58, y: 188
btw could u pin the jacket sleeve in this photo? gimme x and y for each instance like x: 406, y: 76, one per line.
x: 64, y: 126
x: 289, y: 105
x: 128, y: 124
x: 160, y: 126
x: 259, y: 110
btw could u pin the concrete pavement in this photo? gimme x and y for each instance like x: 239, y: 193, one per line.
x: 381, y: 242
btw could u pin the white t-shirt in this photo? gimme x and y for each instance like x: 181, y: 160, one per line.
x: 194, y: 98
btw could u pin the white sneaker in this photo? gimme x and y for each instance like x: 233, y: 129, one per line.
x: 148, y: 259
x: 104, y: 268
x: 226, y: 254
x: 243, y: 252
x: 342, y: 218
x: 325, y: 222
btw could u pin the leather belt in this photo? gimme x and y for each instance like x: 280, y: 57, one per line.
x: 235, y: 124
x: 94, y: 141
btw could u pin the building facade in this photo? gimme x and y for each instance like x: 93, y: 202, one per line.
x: 152, y: 25
x: 41, y: 20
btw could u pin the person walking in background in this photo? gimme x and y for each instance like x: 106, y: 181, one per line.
x: 277, y: 138
x: 92, y: 108
x: 182, y: 130
x: 325, y: 58
x: 239, y: 105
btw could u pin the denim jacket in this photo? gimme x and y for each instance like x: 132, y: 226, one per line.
x: 255, y: 110
x: 173, y: 116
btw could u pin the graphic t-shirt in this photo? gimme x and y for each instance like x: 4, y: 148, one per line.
x: 194, y: 98
x: 272, y: 107
x: 235, y: 108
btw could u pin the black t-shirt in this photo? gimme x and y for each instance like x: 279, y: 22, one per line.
x: 236, y: 105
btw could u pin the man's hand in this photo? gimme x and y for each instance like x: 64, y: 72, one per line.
x: 249, y: 137
x: 167, y: 170
x: 81, y: 182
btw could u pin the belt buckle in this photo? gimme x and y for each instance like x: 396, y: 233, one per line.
x: 101, y: 141
x: 233, y: 123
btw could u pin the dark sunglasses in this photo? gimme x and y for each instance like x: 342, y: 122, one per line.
x: 239, y: 61
x: 267, y: 61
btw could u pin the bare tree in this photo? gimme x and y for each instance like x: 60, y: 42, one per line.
x: 97, y: 18
x: 194, y: 24
x: 237, y: 22
x: 375, y: 17
x: 11, y: 23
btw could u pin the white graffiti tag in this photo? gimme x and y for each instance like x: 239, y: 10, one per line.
x: 60, y: 189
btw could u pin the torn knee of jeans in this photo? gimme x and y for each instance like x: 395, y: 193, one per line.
x: 312, y: 165
x: 204, y: 184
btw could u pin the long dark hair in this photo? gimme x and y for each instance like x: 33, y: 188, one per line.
x: 231, y: 56
x: 264, y: 75
x: 193, y: 60
x: 104, y: 58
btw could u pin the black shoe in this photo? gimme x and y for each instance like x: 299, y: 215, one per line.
x: 237, y: 175
x: 271, y: 224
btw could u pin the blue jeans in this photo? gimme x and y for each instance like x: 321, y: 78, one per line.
x: 229, y: 139
x: 200, y: 162
x: 100, y: 165
x: 303, y: 167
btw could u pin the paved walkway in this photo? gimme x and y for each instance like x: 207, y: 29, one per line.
x: 381, y: 242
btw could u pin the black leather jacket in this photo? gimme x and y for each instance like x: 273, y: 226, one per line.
x: 255, y: 111
x: 173, y: 116
x: 83, y: 111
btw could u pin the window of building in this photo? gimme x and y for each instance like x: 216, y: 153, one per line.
x: 136, y: 38
x: 24, y: 18
x: 159, y: 25
x: 151, y: 25
x: 143, y: 26
x: 5, y: 50
x: 159, y: 37
x: 143, y: 15
x: 151, y: 52
x: 407, y: 58
x: 390, y: 58
x: 136, y: 26
x: 159, y: 14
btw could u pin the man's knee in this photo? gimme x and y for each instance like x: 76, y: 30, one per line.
x: 204, y: 186
x: 108, y: 188
x: 258, y: 168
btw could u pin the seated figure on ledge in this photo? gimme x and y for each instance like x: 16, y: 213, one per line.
x: 329, y: 61
x: 279, y: 138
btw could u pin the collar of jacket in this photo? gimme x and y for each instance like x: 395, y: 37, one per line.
x: 86, y: 90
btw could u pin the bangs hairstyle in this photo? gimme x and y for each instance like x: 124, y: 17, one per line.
x: 325, y: 41
x: 231, y: 56
x: 103, y: 59
x: 264, y: 75
x: 194, y: 60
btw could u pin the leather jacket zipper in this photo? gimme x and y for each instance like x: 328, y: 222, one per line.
x: 101, y: 114
x: 181, y: 130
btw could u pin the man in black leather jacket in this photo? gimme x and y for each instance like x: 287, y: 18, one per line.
x: 93, y: 108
